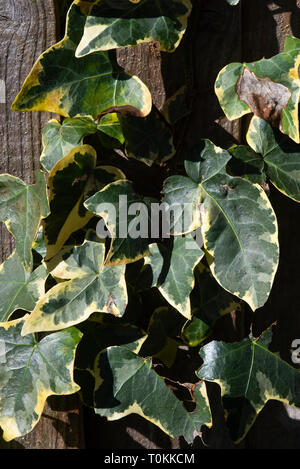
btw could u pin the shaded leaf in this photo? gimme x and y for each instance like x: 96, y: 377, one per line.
x: 19, y: 289
x: 21, y: 208
x: 176, y: 107
x: 99, y: 333
x: 170, y: 267
x: 270, y: 88
x: 129, y: 231
x: 121, y: 23
x: 247, y: 164
x: 61, y: 83
x: 30, y: 372
x: 91, y: 287
x: 127, y: 384
x: 248, y: 369
x: 281, y: 155
x: 209, y: 302
x: 161, y: 342
x: 147, y: 139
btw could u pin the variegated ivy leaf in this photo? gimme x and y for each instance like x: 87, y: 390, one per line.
x: 61, y: 83
x: 270, y: 88
x: 147, y: 139
x: 249, y: 370
x: 71, y: 180
x: 118, y: 23
x: 233, y: 2
x: 99, y: 333
x: 59, y: 139
x: 21, y: 208
x: 91, y: 287
x: 184, y: 195
x: 281, y: 155
x: 30, y: 372
x: 126, y: 216
x: 209, y: 303
x: 126, y: 384
x: 234, y: 213
x: 170, y: 267
x: 19, y: 289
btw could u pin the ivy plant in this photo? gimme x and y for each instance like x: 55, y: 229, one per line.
x: 109, y: 281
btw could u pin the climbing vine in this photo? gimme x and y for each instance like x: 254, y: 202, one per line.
x: 111, y: 279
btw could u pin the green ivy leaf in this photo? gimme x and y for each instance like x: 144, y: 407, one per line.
x: 30, y: 372
x: 270, y: 88
x: 184, y: 195
x: 126, y: 384
x: 71, y: 180
x: 61, y: 83
x: 248, y: 369
x: 147, y: 139
x: 209, y: 303
x: 235, y: 213
x: 21, y: 208
x: 170, y: 267
x: 281, y: 155
x: 91, y: 287
x: 121, y: 23
x: 19, y: 289
x: 59, y: 139
x: 112, y: 203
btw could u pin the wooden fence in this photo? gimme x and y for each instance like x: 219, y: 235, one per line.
x: 218, y: 34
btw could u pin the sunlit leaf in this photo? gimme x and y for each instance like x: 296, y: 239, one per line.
x: 118, y: 23
x: 19, y: 289
x: 61, y: 83
x: 249, y: 370
x: 270, y: 88
x: 21, y: 208
x: 89, y: 287
x: 127, y: 384
x: 281, y: 155
x: 30, y: 372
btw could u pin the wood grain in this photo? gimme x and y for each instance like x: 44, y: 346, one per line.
x: 27, y: 28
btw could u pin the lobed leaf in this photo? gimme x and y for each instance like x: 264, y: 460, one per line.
x: 129, y: 232
x: 71, y: 180
x: 270, y: 88
x: 21, y: 208
x: 59, y: 139
x: 91, y: 287
x: 170, y: 267
x: 127, y: 384
x: 30, y: 372
x: 232, y: 212
x: 86, y: 87
x: 249, y: 370
x: 281, y: 155
x: 111, y: 24
x: 19, y: 289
